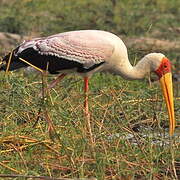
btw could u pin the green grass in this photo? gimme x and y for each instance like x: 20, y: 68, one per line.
x: 121, y: 17
x: 32, y: 149
x: 49, y: 136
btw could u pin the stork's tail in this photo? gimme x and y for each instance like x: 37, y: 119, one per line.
x: 13, y: 66
x: 11, y: 62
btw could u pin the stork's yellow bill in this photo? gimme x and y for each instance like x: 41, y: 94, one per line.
x: 165, y: 78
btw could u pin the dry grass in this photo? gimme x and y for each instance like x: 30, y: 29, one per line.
x: 48, y: 136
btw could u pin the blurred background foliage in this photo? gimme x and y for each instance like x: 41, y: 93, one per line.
x: 126, y: 17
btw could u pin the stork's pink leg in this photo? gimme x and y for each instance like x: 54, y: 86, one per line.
x: 53, y: 83
x: 57, y: 80
x: 86, y: 88
x: 86, y: 109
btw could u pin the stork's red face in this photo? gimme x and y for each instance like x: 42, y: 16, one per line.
x: 165, y: 78
x: 165, y: 67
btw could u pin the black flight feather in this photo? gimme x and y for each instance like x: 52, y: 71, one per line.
x: 54, y: 64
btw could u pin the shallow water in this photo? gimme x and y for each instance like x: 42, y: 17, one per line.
x: 157, y: 138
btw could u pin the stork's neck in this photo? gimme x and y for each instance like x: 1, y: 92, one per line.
x: 127, y: 71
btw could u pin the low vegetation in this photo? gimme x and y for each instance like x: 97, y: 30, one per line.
x: 48, y: 136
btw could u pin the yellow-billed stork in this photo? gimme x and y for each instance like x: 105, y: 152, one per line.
x: 86, y: 52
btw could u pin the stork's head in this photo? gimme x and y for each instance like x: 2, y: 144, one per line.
x: 162, y: 67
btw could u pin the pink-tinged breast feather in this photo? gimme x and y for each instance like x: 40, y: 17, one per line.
x: 85, y: 47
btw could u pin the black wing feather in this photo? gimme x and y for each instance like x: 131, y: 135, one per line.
x: 54, y: 64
